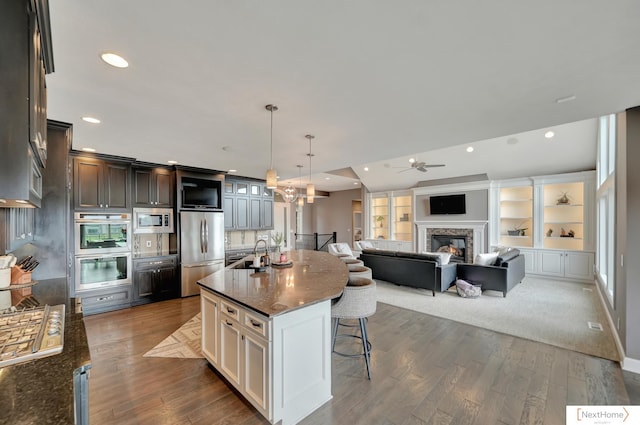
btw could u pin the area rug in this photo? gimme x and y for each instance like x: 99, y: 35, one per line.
x: 553, y: 312
x: 183, y: 343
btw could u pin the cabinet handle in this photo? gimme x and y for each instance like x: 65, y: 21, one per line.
x: 256, y: 324
x: 105, y: 298
x: 230, y: 310
x: 228, y: 323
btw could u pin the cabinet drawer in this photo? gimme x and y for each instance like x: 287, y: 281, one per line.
x: 230, y: 310
x: 155, y: 263
x: 256, y: 324
x: 105, y: 299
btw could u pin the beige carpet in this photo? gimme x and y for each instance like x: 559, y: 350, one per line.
x: 183, y: 343
x: 552, y: 312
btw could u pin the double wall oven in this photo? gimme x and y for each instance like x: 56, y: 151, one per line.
x: 102, y: 250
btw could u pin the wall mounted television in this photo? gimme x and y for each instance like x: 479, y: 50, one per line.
x: 447, y: 204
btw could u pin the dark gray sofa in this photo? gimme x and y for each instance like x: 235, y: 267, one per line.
x: 506, y: 273
x: 410, y: 269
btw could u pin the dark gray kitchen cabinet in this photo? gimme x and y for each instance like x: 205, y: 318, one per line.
x: 248, y: 205
x: 25, y: 43
x: 153, y: 187
x: 102, y: 300
x: 101, y: 184
x: 155, y: 279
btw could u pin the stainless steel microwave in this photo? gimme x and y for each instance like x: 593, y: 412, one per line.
x: 152, y: 220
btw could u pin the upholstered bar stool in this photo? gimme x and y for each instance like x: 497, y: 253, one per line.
x: 356, y: 270
x: 358, y: 301
x: 352, y: 261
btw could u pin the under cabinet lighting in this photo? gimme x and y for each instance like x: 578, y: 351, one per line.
x: 88, y: 150
x: 172, y: 162
x: 114, y: 60
x: 232, y: 171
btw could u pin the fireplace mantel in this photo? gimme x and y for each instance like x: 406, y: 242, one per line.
x: 477, y: 227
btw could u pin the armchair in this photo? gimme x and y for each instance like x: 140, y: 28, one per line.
x: 503, y: 275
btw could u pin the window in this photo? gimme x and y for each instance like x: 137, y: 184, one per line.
x: 605, y: 199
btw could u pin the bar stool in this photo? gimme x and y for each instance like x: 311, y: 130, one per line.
x: 358, y: 301
x: 352, y: 261
x: 356, y: 270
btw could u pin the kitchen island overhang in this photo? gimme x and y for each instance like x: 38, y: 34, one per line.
x: 269, y: 332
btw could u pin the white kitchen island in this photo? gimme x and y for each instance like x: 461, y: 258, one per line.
x: 269, y: 333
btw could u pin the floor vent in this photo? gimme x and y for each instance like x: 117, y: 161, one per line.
x: 595, y: 326
x: 587, y: 289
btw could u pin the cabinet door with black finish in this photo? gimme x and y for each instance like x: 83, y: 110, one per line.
x: 116, y: 186
x: 163, y: 187
x: 166, y: 283
x: 143, y: 284
x: 142, y: 194
x: 87, y: 183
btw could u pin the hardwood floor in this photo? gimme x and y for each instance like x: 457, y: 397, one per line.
x: 425, y: 370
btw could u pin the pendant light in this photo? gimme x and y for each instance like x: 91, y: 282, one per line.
x: 272, y: 175
x: 289, y: 194
x: 300, y: 198
x: 311, y: 190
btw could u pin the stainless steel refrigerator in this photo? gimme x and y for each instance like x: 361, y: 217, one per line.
x: 201, y: 247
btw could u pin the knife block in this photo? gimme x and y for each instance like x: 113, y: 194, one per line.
x: 18, y: 277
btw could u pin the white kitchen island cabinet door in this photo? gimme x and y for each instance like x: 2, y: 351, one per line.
x: 230, y: 350
x: 255, y: 372
x: 209, y: 308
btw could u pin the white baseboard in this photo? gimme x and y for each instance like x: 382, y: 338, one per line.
x: 631, y: 365
x: 613, y: 328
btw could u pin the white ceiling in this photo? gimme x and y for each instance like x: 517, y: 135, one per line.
x: 374, y: 81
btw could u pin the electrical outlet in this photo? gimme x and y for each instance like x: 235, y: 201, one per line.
x: 148, y: 244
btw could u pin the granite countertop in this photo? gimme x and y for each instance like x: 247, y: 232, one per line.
x: 40, y: 391
x: 314, y: 277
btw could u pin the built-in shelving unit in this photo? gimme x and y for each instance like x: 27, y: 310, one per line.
x: 516, y: 216
x: 563, y: 216
x: 558, y: 212
x: 391, y: 220
x: 380, y: 217
x: 402, y: 217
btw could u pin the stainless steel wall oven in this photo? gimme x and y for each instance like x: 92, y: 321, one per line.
x: 102, y: 250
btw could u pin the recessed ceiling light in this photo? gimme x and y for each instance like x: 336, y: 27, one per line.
x: 470, y: 149
x: 172, y: 162
x: 91, y: 120
x: 549, y: 134
x: 366, y: 168
x: 327, y: 178
x: 88, y: 149
x: 566, y: 99
x: 114, y: 60
x: 232, y: 171
x: 412, y: 160
x: 356, y: 182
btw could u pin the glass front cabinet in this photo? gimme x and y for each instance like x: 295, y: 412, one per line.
x: 551, y: 219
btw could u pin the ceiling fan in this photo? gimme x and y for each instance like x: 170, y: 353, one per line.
x: 419, y: 165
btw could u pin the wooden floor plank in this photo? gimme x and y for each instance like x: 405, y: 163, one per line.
x: 425, y: 370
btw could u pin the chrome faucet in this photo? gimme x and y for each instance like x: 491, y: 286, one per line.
x: 255, y: 248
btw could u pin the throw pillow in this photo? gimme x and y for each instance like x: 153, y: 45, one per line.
x: 487, y: 259
x: 468, y: 290
x: 444, y: 256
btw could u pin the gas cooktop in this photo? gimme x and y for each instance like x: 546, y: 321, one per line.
x: 31, y: 333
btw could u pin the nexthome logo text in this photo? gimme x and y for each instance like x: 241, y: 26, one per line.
x: 602, y: 415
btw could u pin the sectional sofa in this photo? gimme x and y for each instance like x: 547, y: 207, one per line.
x: 410, y: 269
x: 426, y: 271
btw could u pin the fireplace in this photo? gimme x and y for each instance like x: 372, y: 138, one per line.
x: 473, y: 232
x: 454, y: 245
